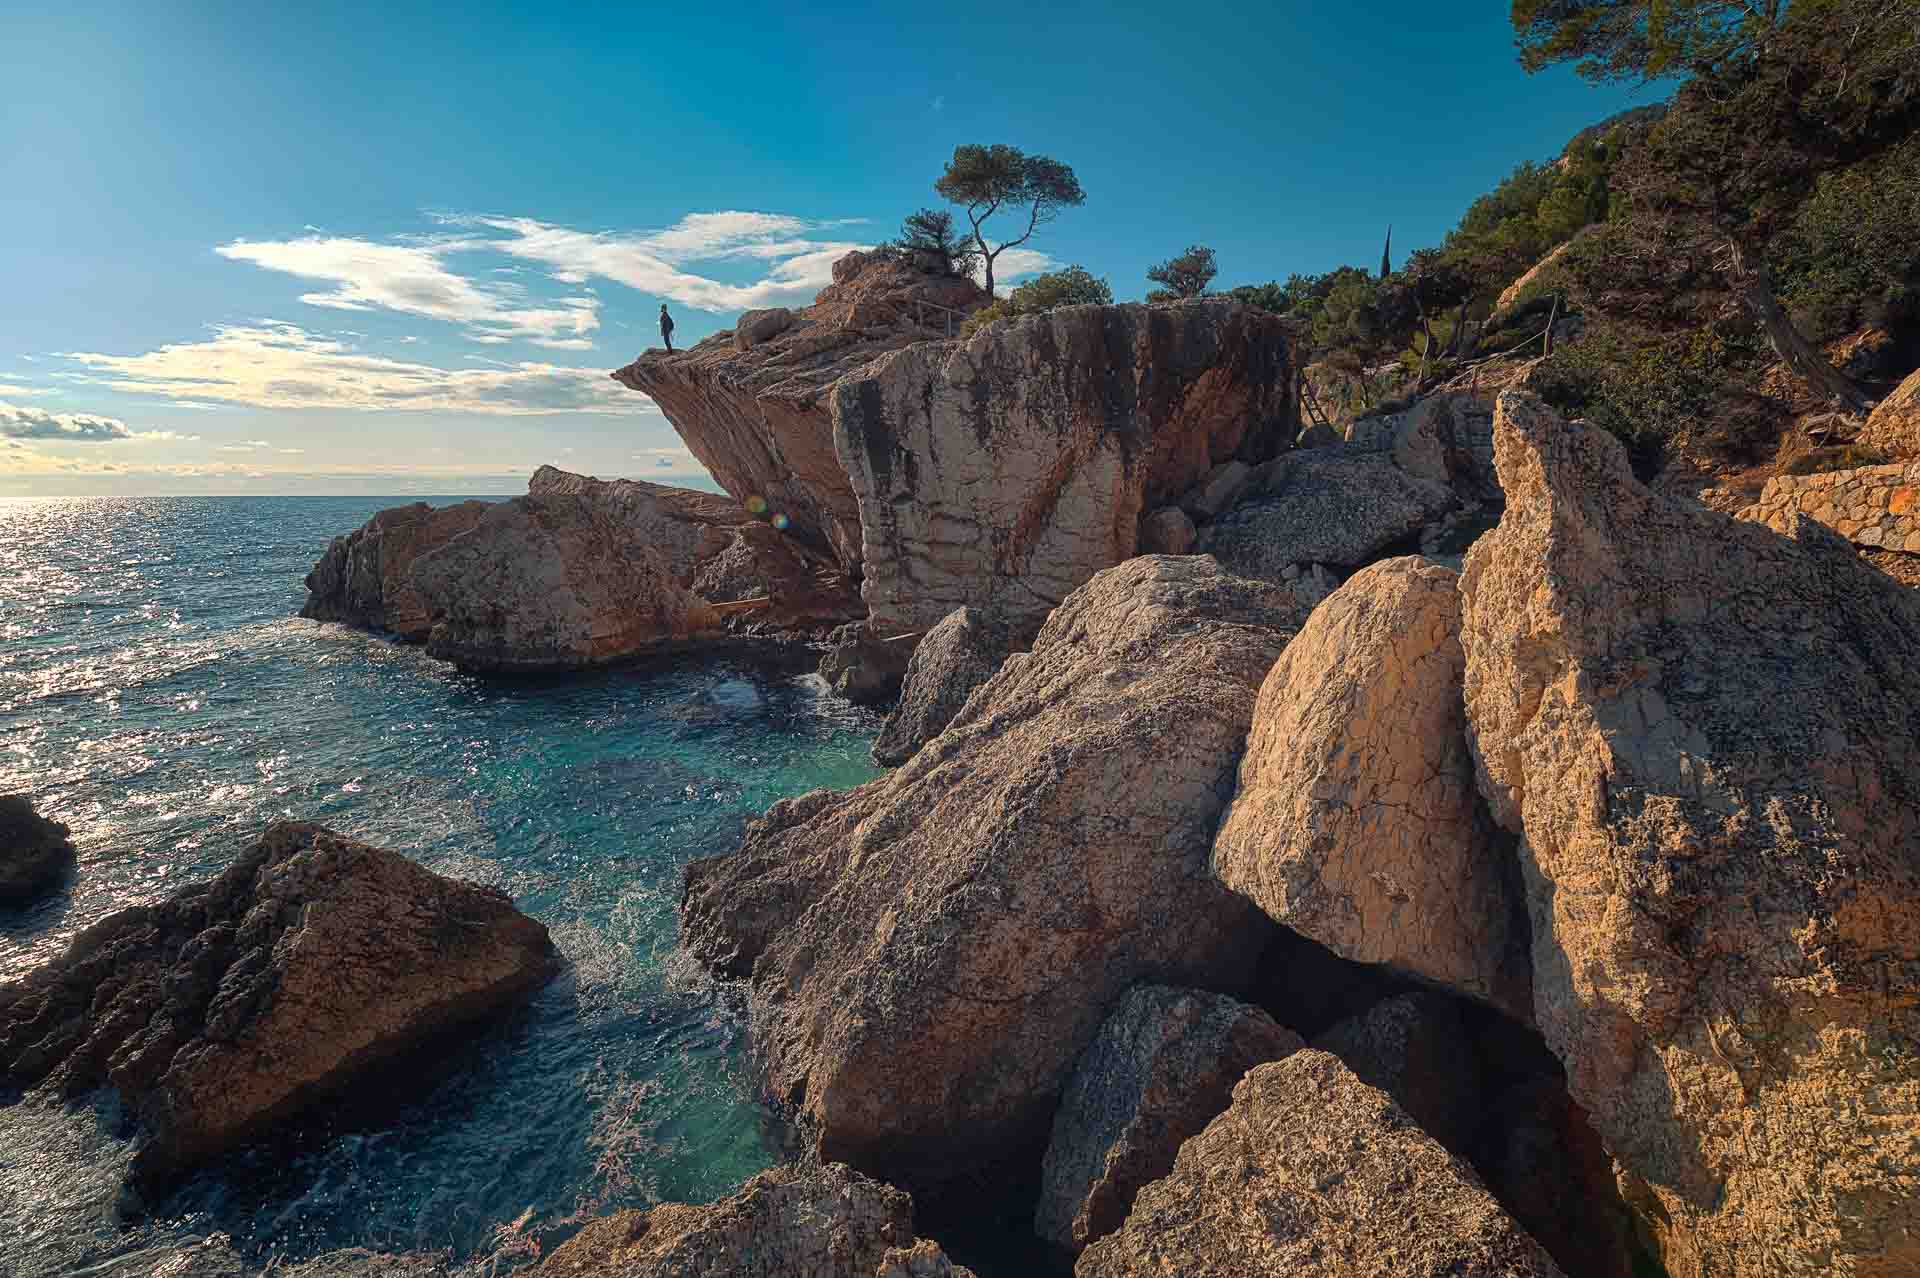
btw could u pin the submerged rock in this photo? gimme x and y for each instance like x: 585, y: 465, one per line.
x: 34, y: 852
x: 1708, y: 737
x: 792, y: 1222
x: 300, y: 971
x: 1005, y: 470
x: 1162, y: 1067
x: 930, y: 953
x: 954, y: 658
x: 1356, y: 822
x: 365, y: 577
x: 1309, y: 1172
x: 757, y: 415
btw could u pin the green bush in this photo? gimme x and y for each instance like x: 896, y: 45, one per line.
x: 1073, y: 286
x: 1852, y: 253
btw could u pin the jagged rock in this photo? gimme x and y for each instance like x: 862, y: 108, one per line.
x: 364, y: 578
x: 755, y: 327
x: 1219, y: 490
x: 1336, y: 506
x: 1894, y: 425
x: 1005, y: 470
x: 925, y: 1259
x: 758, y: 419
x: 34, y: 852
x: 954, y: 658
x: 865, y: 666
x: 1708, y: 737
x: 1416, y: 1049
x: 553, y: 583
x: 1318, y: 435
x: 1161, y: 1068
x: 792, y: 1222
x: 1167, y: 531
x: 1310, y: 1172
x: 302, y: 969
x: 1875, y: 506
x: 1550, y: 1170
x: 931, y: 952
x: 1356, y: 822
x: 1448, y: 439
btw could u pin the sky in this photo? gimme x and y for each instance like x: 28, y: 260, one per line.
x: 396, y: 247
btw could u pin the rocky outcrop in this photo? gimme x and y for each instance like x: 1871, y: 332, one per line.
x: 866, y: 666
x: 305, y: 967
x: 1162, y: 1067
x: 34, y: 852
x: 758, y: 417
x: 755, y: 327
x: 1894, y: 426
x: 1416, y: 1049
x: 1356, y: 822
x: 1875, y: 506
x: 1707, y: 735
x: 954, y: 658
x: 1167, y: 531
x: 792, y: 1222
x: 1341, y: 507
x: 930, y: 953
x: 1005, y: 470
x: 925, y: 1259
x: 553, y: 583
x: 365, y: 577
x: 1310, y: 1171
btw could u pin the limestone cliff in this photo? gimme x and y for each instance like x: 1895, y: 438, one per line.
x: 753, y: 406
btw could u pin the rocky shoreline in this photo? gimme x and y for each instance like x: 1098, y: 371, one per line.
x: 1427, y: 849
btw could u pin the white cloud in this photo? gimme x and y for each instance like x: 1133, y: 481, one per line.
x: 290, y: 452
x: 413, y: 280
x: 23, y: 421
x: 1013, y: 264
x: 278, y: 365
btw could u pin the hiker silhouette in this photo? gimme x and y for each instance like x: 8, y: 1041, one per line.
x: 666, y: 327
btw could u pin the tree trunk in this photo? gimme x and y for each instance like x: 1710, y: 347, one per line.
x: 1748, y: 276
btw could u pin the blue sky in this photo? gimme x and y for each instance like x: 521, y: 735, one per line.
x: 395, y: 247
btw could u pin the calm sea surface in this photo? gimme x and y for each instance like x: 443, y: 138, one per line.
x: 158, y: 695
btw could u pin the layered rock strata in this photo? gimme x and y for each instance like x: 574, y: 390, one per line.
x: 756, y: 414
x: 1707, y: 735
x: 34, y: 852
x: 930, y: 953
x: 1005, y: 470
x: 301, y: 970
x: 1162, y: 1067
x: 1310, y: 1171
x: 1356, y: 821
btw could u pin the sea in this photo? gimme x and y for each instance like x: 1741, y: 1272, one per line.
x: 159, y: 695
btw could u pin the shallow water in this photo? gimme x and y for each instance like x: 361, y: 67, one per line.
x: 158, y: 695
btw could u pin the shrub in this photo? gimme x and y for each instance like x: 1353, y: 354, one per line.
x: 1073, y: 286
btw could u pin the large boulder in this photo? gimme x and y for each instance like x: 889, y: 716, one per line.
x: 758, y: 418
x: 1342, y: 507
x: 931, y: 952
x: 1162, y: 1067
x: 755, y: 327
x: 304, y: 968
x: 553, y: 583
x: 1416, y: 1048
x: 1707, y: 735
x: 1356, y: 822
x: 953, y: 659
x: 1894, y: 425
x: 1005, y: 470
x: 364, y: 578
x: 791, y: 1222
x: 1312, y: 1172
x: 34, y: 852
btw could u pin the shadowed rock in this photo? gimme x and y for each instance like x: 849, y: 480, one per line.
x: 34, y: 852
x: 931, y: 952
x: 238, y: 1002
x: 954, y: 658
x: 1708, y: 737
x: 1311, y: 1172
x: 1894, y: 426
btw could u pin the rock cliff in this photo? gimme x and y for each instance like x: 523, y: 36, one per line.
x: 756, y: 413
x: 1002, y: 471
x: 305, y: 967
x: 1707, y: 735
x: 930, y: 953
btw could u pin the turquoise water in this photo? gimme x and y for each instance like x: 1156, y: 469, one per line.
x: 158, y: 695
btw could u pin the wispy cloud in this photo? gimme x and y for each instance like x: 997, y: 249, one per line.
x: 24, y: 421
x: 279, y: 365
x: 413, y: 279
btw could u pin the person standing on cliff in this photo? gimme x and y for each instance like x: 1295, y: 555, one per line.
x: 666, y: 328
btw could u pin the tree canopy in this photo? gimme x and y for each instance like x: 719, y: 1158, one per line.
x: 1070, y: 286
x: 1640, y: 40
x: 931, y: 233
x: 984, y: 180
x: 1187, y: 275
